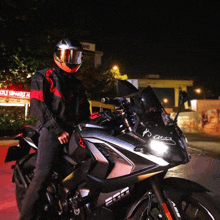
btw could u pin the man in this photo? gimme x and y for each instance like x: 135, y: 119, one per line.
x: 58, y: 101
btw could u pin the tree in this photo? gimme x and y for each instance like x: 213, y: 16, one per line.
x: 98, y: 82
x: 116, y: 73
x: 18, y: 69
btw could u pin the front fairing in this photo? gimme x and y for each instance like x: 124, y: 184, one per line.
x: 156, y: 133
x: 163, y: 139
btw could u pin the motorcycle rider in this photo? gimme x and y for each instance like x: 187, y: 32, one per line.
x: 58, y: 100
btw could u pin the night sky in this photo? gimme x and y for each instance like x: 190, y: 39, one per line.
x: 176, y: 39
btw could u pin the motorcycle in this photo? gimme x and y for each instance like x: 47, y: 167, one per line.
x: 115, y: 166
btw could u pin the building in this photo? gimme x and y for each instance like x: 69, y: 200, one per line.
x: 10, y: 98
x: 156, y: 82
x: 91, y: 53
x: 203, y: 105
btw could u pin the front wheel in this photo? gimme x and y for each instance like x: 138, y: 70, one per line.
x: 196, y: 205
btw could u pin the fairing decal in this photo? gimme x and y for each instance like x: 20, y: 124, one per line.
x: 93, y: 140
x: 117, y: 197
x: 152, y: 158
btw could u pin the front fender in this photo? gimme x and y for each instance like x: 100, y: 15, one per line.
x: 183, y: 185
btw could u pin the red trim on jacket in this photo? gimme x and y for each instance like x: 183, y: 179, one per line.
x: 34, y: 94
x: 52, y: 88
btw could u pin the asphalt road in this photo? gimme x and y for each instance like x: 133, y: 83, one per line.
x: 203, y: 168
x: 204, y: 145
x: 8, y: 206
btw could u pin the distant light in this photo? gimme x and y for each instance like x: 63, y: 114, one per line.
x: 165, y: 100
x: 115, y: 67
x: 199, y: 91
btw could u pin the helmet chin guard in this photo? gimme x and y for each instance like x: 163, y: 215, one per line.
x: 67, y: 69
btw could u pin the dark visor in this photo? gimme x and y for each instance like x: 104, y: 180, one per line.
x: 69, y: 56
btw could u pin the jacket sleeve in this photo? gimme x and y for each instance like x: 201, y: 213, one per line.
x: 40, y: 104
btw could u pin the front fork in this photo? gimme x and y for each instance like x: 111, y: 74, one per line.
x: 168, y: 209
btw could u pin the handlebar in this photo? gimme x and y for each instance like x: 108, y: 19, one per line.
x: 127, y: 114
x: 116, y: 101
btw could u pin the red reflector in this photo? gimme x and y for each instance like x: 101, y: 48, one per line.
x: 19, y: 135
x: 81, y: 143
x: 167, y: 212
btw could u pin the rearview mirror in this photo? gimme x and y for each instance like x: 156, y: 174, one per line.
x: 183, y: 97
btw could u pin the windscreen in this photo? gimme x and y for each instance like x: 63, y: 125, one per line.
x: 143, y: 101
x: 150, y: 100
x: 124, y: 88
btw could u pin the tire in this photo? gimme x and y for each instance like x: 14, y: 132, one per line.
x: 197, y: 205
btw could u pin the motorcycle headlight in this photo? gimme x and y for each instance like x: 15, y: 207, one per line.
x: 158, y: 147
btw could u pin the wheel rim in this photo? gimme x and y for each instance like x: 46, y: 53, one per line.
x: 189, y: 209
x: 195, y: 210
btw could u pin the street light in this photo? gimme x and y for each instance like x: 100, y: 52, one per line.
x: 116, y: 73
x: 115, y: 67
x: 165, y: 100
x: 198, y: 91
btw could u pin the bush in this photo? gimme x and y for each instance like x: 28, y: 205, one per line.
x: 5, y: 123
x: 9, y: 126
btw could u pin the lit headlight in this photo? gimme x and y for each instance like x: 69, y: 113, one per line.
x: 158, y: 147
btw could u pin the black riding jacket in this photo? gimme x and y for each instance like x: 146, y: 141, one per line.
x: 58, y: 100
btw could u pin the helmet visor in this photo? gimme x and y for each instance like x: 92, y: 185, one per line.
x: 69, y: 56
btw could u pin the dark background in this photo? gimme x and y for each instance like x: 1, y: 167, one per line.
x: 176, y: 39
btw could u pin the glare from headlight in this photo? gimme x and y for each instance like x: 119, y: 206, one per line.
x: 158, y: 146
